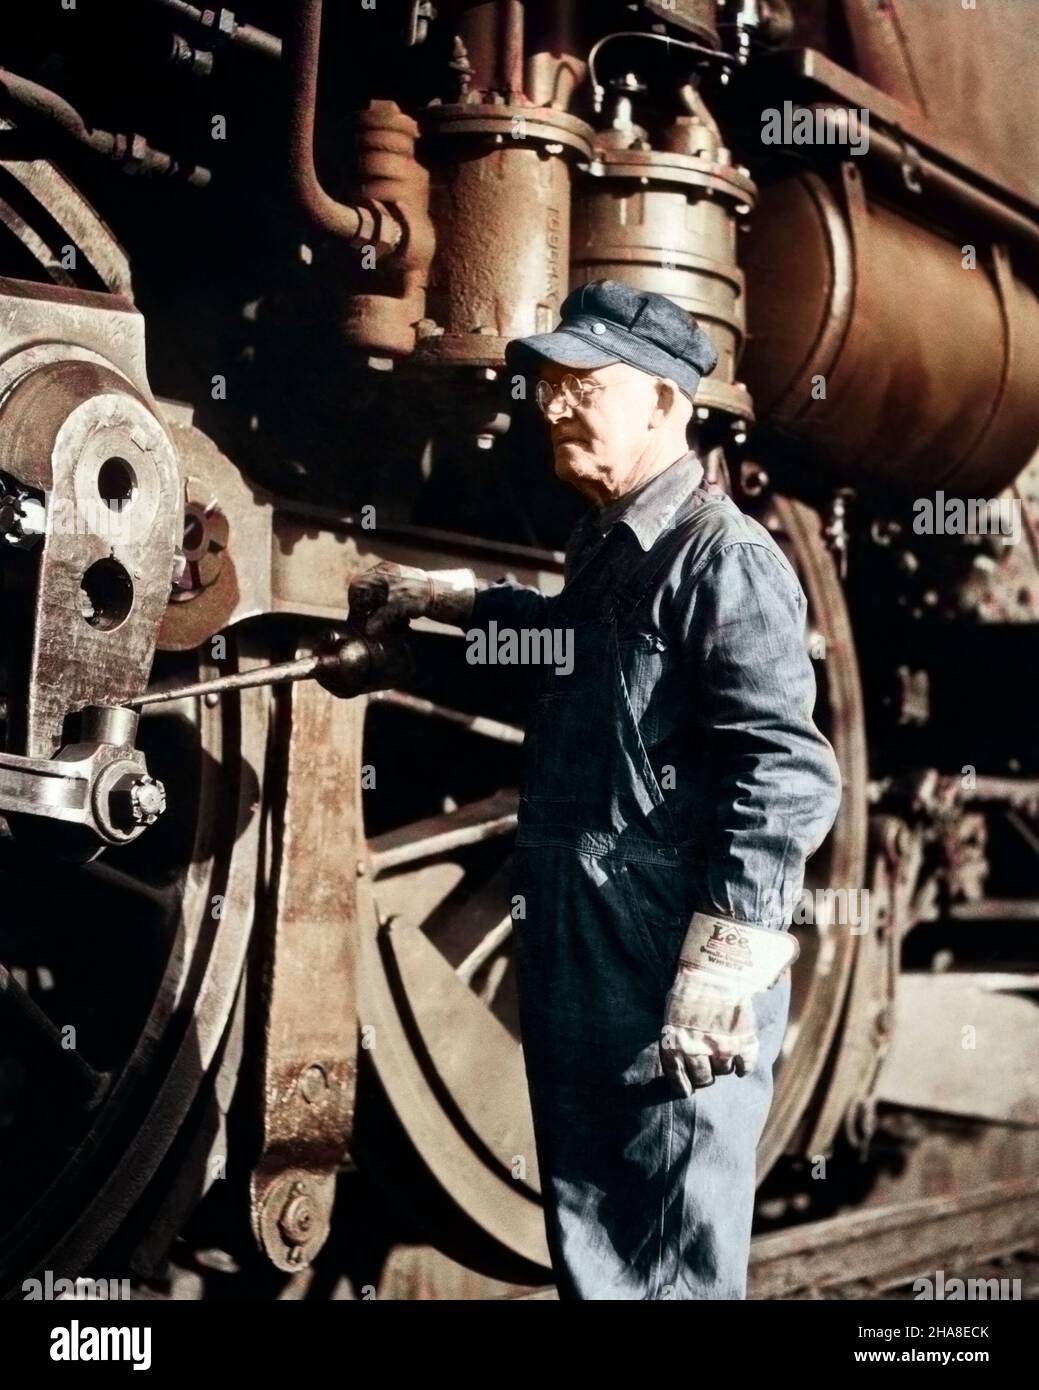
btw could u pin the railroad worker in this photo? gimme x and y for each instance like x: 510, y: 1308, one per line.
x: 674, y: 785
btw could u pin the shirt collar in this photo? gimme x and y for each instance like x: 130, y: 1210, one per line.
x: 648, y: 509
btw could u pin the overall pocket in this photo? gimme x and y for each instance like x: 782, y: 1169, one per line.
x: 643, y: 677
x: 656, y: 895
x: 643, y: 658
x: 550, y: 749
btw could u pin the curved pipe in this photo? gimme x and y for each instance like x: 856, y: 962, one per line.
x: 356, y: 225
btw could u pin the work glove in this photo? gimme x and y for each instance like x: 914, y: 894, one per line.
x: 709, y: 1023
x: 387, y: 595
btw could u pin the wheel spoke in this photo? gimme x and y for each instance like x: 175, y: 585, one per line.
x: 33, y: 1039
x: 480, y: 820
x: 482, y: 953
x: 474, y: 723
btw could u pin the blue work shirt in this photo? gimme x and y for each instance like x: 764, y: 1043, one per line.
x: 719, y: 683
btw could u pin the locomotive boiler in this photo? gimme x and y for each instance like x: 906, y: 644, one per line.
x: 258, y: 268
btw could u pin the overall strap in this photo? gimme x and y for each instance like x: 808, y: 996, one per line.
x: 640, y: 580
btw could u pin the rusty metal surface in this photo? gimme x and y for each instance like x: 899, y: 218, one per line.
x: 357, y: 224
x: 506, y: 168
x: 842, y: 290
x: 69, y: 417
x: 131, y: 150
x: 314, y: 557
x: 310, y: 974
x: 848, y: 1107
x: 492, y: 31
x: 664, y: 219
x: 397, y: 926
x: 555, y: 65
x: 985, y: 1073
x: 384, y: 317
x: 282, y: 557
x: 405, y: 984
x: 828, y: 949
x: 927, y: 53
x: 236, y: 579
x: 66, y: 207
x: 216, y: 910
x: 807, y: 73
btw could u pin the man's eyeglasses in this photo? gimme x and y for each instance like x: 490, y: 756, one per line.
x: 574, y: 390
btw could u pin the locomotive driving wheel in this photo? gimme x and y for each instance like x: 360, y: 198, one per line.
x: 117, y: 976
x: 437, y: 982
x: 119, y: 980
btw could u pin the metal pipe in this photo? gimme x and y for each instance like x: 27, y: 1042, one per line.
x: 257, y: 41
x: 351, y: 223
x: 345, y: 665
x: 996, y: 910
x: 554, y: 67
x: 492, y: 31
x: 472, y: 824
x: 126, y: 149
x: 946, y: 184
x: 245, y: 35
x: 1017, y: 791
x: 472, y: 723
x: 241, y: 680
x: 510, y: 47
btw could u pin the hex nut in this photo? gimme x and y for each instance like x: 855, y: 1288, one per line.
x: 136, y: 800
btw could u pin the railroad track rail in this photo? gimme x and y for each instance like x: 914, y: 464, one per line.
x: 890, y: 1245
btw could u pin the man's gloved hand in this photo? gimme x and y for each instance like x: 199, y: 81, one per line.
x: 387, y: 595
x: 709, y: 1024
x: 706, y: 1033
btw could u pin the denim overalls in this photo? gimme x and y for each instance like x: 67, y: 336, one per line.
x: 646, y: 1195
x: 675, y: 767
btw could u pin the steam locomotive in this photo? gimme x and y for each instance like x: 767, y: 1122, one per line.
x: 258, y: 269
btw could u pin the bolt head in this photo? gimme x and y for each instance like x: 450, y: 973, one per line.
x: 296, y: 1222
x: 136, y: 800
x: 313, y: 1083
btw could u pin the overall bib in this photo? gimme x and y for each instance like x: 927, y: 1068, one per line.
x: 646, y: 1195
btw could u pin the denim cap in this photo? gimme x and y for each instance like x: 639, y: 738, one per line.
x: 608, y: 321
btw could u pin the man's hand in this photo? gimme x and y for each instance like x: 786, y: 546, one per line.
x: 706, y: 1033
x: 388, y: 595
x: 709, y: 1024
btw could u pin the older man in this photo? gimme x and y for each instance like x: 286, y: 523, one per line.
x: 674, y: 785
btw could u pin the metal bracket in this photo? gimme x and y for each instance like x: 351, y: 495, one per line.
x: 99, y: 786
x: 911, y: 165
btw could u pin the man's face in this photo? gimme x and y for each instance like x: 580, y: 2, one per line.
x: 602, y: 440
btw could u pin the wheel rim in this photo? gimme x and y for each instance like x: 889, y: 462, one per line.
x: 61, y: 1214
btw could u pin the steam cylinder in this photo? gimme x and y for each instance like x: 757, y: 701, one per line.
x: 877, y: 343
x: 666, y: 221
x: 500, y: 202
